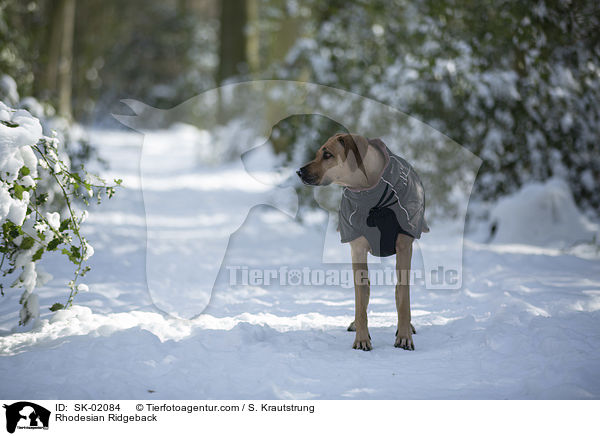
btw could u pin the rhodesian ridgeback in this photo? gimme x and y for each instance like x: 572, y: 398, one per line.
x: 381, y: 213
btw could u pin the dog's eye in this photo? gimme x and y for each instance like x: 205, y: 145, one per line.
x: 327, y: 155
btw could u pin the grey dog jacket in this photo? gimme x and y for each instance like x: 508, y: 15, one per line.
x: 396, y: 204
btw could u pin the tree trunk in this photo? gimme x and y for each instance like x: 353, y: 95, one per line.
x: 232, y: 35
x: 57, y: 80
x: 253, y: 37
x: 48, y: 87
x: 65, y: 66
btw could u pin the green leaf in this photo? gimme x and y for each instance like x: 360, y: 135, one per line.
x: 27, y: 243
x: 75, y: 254
x: 56, y: 306
x: 38, y: 254
x: 9, y: 123
x: 53, y: 244
x: 41, y: 199
x: 25, y: 171
x: 19, y: 191
x: 64, y: 225
x: 11, y: 229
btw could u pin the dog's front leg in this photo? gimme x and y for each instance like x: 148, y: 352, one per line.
x: 360, y: 249
x: 403, y: 258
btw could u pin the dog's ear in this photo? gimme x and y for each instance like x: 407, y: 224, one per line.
x: 357, y: 145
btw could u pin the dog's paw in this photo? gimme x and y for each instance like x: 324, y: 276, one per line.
x: 351, y: 327
x: 404, y: 338
x: 414, y: 331
x: 362, y: 342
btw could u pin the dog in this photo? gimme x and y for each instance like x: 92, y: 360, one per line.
x: 382, y: 212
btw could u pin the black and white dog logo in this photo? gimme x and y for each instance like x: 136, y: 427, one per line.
x: 26, y: 415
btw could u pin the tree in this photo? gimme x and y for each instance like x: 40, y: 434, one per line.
x: 57, y: 79
x: 516, y: 84
x: 232, y: 39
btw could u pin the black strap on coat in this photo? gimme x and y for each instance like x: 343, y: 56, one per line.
x: 384, y: 218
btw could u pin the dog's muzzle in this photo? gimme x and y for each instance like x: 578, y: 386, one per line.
x: 306, y: 177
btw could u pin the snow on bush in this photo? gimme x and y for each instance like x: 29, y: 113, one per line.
x: 8, y: 89
x: 37, y: 210
x: 541, y: 214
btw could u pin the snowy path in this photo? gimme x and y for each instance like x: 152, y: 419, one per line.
x: 525, y: 325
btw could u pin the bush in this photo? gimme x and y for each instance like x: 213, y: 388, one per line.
x: 38, y: 190
x: 517, y: 84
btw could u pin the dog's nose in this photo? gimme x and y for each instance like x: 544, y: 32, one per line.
x: 300, y: 172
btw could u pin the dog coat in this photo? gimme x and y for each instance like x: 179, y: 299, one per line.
x: 395, y: 205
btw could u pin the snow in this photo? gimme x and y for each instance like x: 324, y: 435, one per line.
x: 27, y: 131
x: 88, y: 250
x: 53, y: 219
x: 8, y: 89
x: 18, y: 209
x: 523, y: 325
x: 28, y: 277
x: 33, y: 107
x: 542, y: 214
x: 18, y: 132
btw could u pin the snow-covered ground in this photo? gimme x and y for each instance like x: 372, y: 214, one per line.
x: 526, y: 323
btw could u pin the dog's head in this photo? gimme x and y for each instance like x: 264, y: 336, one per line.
x: 336, y: 161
